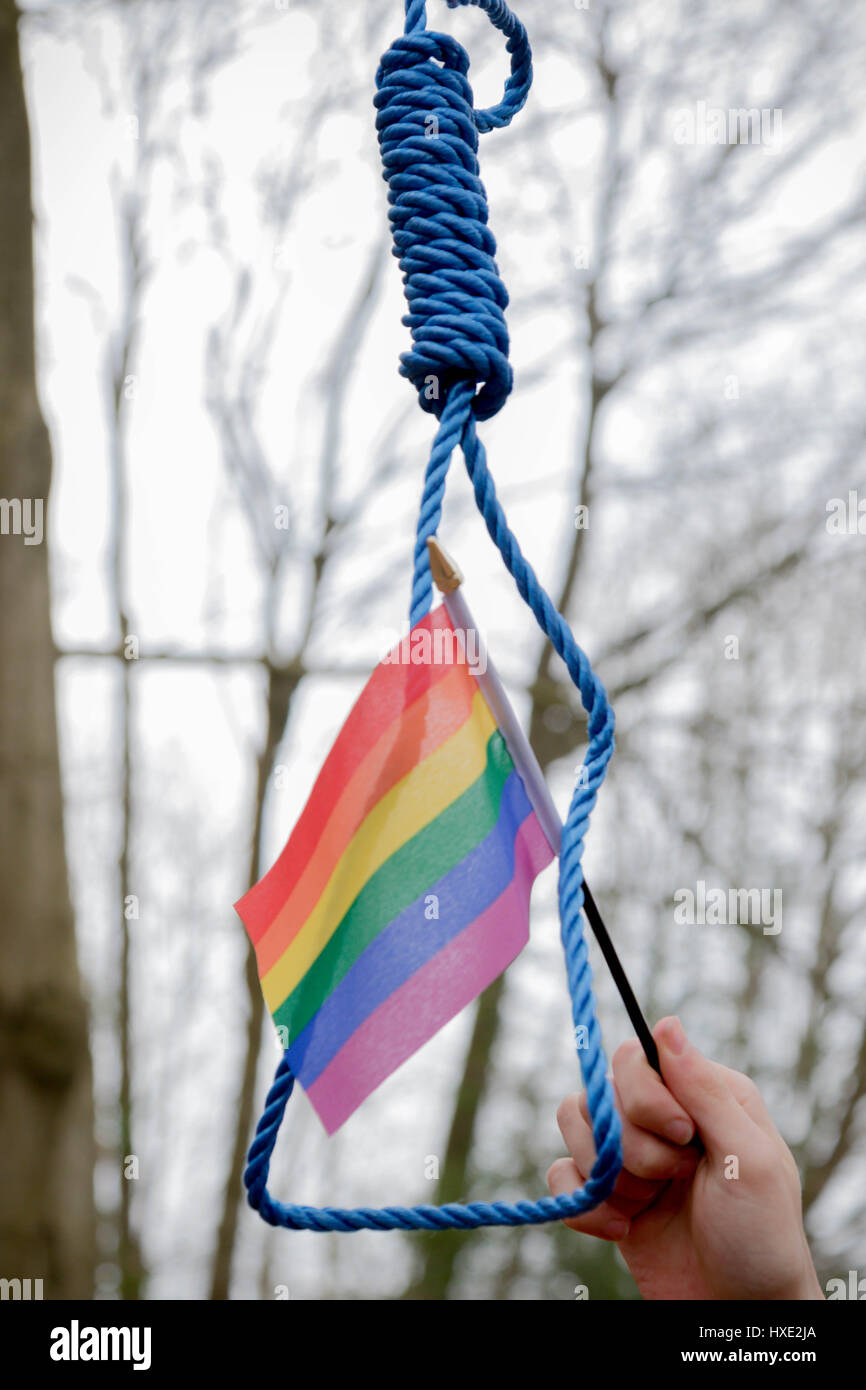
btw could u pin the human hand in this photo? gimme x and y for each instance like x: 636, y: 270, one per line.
x: 722, y: 1222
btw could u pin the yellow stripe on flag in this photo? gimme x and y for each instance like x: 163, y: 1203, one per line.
x: 414, y: 802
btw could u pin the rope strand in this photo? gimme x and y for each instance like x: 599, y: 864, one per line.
x: 428, y: 135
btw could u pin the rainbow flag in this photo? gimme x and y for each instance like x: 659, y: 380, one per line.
x: 404, y: 889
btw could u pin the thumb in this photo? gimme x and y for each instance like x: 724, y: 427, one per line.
x: 701, y: 1090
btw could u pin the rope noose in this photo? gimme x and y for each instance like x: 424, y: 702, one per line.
x: 428, y: 135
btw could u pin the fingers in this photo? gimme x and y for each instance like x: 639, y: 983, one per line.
x: 695, y: 1099
x: 630, y: 1192
x: 749, y: 1097
x: 646, y: 1100
x: 703, y: 1090
x: 650, y: 1105
x: 647, y: 1159
x: 606, y: 1222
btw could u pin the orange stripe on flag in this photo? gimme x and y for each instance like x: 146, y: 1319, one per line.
x: 391, y: 689
x: 429, y: 722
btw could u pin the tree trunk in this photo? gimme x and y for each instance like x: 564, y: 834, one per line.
x: 441, y: 1249
x: 281, y: 689
x: 47, y: 1221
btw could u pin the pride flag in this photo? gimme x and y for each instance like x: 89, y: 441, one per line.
x: 403, y: 890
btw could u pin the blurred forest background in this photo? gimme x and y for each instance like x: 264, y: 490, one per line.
x: 236, y: 466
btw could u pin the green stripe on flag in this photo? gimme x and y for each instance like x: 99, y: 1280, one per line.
x: 415, y: 867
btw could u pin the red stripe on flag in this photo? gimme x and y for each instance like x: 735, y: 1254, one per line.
x: 413, y: 737
x: 388, y: 693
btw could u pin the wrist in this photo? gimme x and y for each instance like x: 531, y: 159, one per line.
x: 811, y: 1288
x: 806, y: 1286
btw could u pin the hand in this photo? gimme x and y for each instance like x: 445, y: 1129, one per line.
x: 722, y: 1222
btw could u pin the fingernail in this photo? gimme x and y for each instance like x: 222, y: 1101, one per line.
x: 679, y: 1131
x: 674, y: 1038
x: 616, y: 1230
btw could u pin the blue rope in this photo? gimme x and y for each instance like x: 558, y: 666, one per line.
x: 428, y: 135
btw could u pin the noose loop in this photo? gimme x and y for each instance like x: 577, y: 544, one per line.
x: 519, y: 82
x: 428, y: 134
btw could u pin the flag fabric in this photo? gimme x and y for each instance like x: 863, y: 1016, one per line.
x: 403, y: 891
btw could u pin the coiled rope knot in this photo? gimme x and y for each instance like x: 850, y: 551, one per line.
x: 428, y: 137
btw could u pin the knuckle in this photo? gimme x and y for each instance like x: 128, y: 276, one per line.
x: 766, y: 1162
x: 748, y: 1088
x: 553, y: 1172
x: 639, y: 1108
x: 568, y: 1111
x: 650, y: 1161
x: 623, y: 1054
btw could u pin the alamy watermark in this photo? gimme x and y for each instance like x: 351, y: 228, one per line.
x: 847, y: 516
x: 23, y: 1290
x: 22, y: 516
x: 707, y: 907
x: 702, y: 124
x: 440, y: 646
x: 854, y: 1287
x: 77, y: 1343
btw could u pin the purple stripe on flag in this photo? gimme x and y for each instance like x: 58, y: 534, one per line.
x: 413, y: 938
x: 436, y: 992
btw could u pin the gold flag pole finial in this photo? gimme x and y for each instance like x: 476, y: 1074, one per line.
x: 447, y: 575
